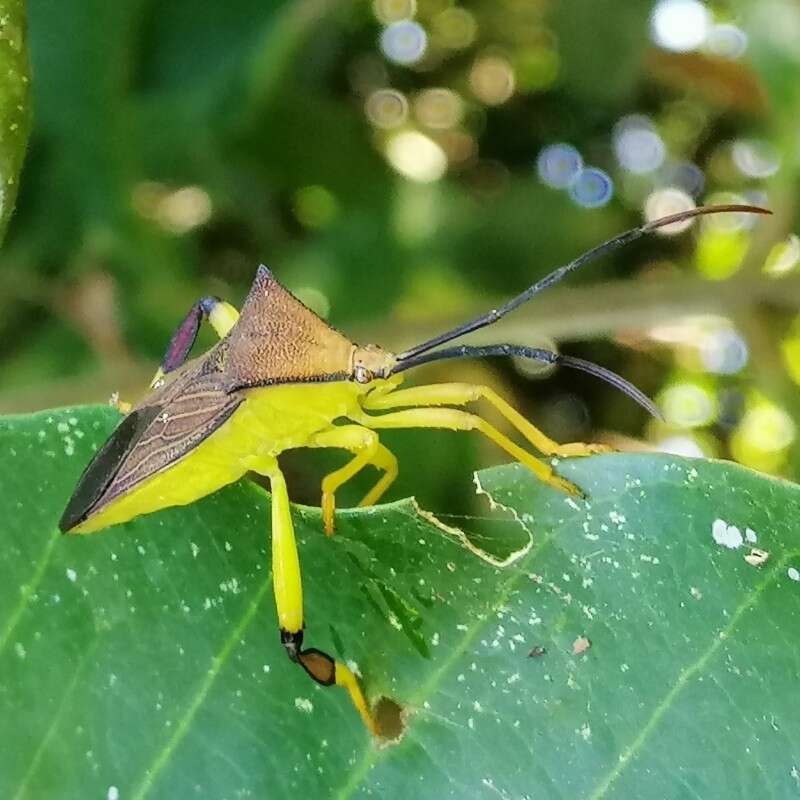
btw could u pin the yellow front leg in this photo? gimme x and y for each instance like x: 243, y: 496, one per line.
x: 287, y: 586
x: 457, y: 420
x: 368, y: 449
x: 459, y: 394
x: 286, y: 581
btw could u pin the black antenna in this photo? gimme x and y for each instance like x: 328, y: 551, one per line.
x: 536, y: 354
x: 558, y: 274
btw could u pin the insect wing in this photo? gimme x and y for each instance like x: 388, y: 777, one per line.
x: 169, y: 424
x: 103, y: 467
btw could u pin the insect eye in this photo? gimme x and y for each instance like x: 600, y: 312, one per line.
x: 361, y: 374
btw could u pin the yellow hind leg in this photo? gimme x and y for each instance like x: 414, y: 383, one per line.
x: 368, y: 451
x: 459, y: 394
x: 222, y: 316
x: 287, y: 584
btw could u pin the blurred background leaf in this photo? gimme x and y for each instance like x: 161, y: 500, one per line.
x: 15, y: 117
x: 402, y: 165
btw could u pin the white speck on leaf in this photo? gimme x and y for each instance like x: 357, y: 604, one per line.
x: 726, y: 535
x: 793, y: 573
x: 696, y: 593
x: 19, y: 649
x: 354, y: 668
x: 751, y: 535
x: 112, y: 793
x: 72, y: 575
x: 195, y: 549
x: 303, y: 704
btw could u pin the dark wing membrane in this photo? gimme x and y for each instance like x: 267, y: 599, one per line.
x: 101, y: 469
x: 168, y: 425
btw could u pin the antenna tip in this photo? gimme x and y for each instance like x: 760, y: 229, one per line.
x: 700, y: 211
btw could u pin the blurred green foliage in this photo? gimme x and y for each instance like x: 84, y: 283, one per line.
x: 14, y: 103
x: 176, y: 147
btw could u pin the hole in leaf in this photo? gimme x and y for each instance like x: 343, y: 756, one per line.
x: 389, y: 718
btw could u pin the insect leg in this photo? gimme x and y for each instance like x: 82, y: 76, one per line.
x: 287, y: 585
x: 368, y: 449
x: 459, y: 394
x: 221, y: 315
x: 457, y: 420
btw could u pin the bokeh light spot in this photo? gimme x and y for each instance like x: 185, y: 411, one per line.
x: 662, y: 203
x: 454, y: 28
x: 756, y: 158
x: 537, y: 68
x: 492, y: 80
x: 763, y: 437
x: 724, y: 352
x: 726, y: 41
x: 592, y: 188
x: 638, y: 147
x: 688, y: 405
x: 558, y: 165
x: 315, y: 206
x: 438, y: 108
x: 386, y: 108
x: 680, y: 445
x: 388, y: 11
x: 316, y: 300
x: 404, y: 42
x: 416, y: 156
x: 719, y: 253
x: 790, y: 351
x: 784, y: 256
x: 680, y: 25
x: 177, y: 211
x: 684, y: 175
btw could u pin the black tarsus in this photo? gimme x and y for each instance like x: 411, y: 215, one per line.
x: 535, y: 354
x: 558, y: 274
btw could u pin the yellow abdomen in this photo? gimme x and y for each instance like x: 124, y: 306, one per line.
x: 268, y: 421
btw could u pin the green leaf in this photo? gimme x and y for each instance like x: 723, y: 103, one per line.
x: 147, y: 659
x: 15, y: 113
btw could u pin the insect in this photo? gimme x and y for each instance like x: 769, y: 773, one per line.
x: 281, y: 378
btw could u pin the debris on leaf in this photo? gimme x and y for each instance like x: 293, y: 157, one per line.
x: 580, y: 645
x: 756, y: 557
x: 537, y: 651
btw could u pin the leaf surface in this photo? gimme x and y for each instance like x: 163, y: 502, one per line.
x: 626, y: 651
